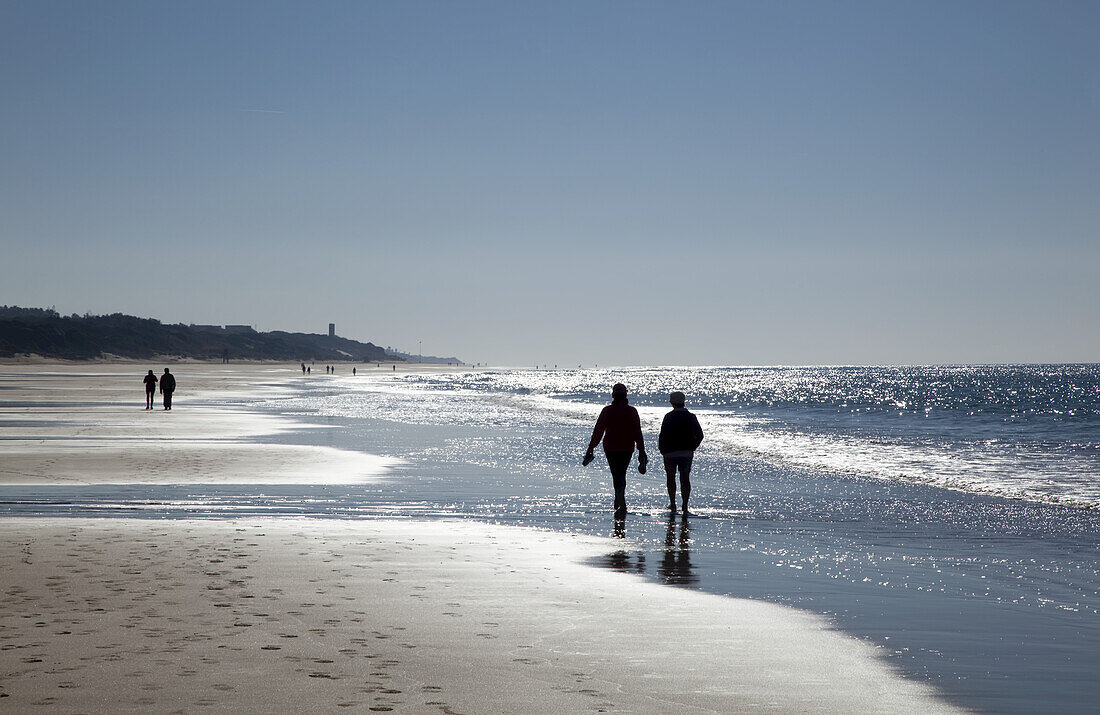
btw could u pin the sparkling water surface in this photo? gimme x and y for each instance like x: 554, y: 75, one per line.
x: 1029, y: 431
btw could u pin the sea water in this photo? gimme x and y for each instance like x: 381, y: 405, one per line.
x: 1018, y: 431
x: 946, y: 514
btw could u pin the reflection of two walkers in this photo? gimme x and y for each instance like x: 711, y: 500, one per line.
x: 620, y: 429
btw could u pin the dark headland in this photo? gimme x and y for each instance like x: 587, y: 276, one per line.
x: 46, y: 333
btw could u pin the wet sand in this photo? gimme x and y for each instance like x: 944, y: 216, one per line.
x: 285, y: 615
x: 86, y: 423
x: 277, y: 615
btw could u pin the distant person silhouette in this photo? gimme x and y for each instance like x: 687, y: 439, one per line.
x: 167, y: 387
x: 680, y: 437
x: 150, y: 389
x: 353, y: 372
x: 303, y: 368
x: 620, y: 428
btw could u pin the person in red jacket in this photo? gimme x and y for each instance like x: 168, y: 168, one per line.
x: 620, y: 428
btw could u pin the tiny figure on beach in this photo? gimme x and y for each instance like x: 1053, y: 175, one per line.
x: 309, y: 369
x: 620, y: 428
x: 167, y: 387
x: 353, y: 372
x: 680, y: 437
x: 303, y: 368
x: 150, y: 389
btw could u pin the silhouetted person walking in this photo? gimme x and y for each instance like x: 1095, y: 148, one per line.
x: 620, y: 428
x: 150, y: 389
x: 167, y: 387
x: 680, y: 437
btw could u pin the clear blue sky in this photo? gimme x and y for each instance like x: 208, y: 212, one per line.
x: 566, y: 183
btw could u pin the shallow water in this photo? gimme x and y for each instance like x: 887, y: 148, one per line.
x: 994, y: 600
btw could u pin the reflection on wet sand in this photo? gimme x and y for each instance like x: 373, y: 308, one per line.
x: 675, y: 564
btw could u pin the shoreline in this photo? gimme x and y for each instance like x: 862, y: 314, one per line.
x: 92, y: 600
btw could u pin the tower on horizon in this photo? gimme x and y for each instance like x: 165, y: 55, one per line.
x: 332, y: 330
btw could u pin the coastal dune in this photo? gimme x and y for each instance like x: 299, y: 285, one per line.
x: 290, y: 614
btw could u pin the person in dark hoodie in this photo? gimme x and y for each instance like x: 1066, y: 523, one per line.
x: 680, y: 437
x: 167, y: 387
x: 620, y: 428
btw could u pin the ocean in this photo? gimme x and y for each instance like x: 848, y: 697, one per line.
x: 1030, y: 432
x: 948, y: 515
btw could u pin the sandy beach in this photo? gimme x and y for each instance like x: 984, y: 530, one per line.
x: 293, y: 614
x: 72, y: 423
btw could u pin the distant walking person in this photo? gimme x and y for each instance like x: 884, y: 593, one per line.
x: 680, y: 437
x: 150, y: 389
x: 167, y: 387
x: 620, y: 428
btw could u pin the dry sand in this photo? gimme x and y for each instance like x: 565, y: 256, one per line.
x: 286, y: 615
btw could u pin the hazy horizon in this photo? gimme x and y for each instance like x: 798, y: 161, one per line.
x: 566, y: 183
